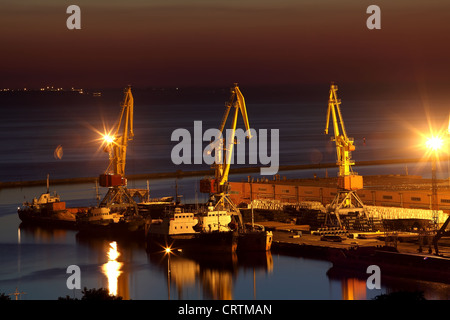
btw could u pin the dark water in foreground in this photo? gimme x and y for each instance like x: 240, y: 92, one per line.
x: 35, y: 261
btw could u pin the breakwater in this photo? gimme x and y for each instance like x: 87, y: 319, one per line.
x: 181, y: 174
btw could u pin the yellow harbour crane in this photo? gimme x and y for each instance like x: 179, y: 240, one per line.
x: 218, y: 187
x: 346, y: 200
x: 222, y: 168
x: 118, y: 143
x: 118, y: 195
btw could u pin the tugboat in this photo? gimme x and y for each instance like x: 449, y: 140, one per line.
x: 49, y: 210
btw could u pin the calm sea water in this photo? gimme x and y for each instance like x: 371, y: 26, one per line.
x: 35, y: 260
x: 33, y: 125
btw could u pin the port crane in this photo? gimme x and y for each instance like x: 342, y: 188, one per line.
x: 346, y: 199
x: 218, y: 187
x: 117, y: 143
x: 118, y: 195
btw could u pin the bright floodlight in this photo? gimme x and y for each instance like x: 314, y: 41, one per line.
x: 108, y: 138
x: 434, y: 143
x: 168, y: 250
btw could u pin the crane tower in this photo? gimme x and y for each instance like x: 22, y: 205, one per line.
x: 218, y: 187
x: 346, y: 199
x: 118, y: 196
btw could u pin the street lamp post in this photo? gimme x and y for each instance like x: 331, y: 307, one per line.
x: 434, y: 197
x: 434, y: 144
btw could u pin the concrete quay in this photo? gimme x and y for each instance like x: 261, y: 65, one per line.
x: 300, y: 239
x: 352, y: 256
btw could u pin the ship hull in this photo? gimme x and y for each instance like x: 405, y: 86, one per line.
x: 255, y: 241
x: 131, y: 229
x: 202, y: 242
x: 61, y: 219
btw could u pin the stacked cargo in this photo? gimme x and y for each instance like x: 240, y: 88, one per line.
x: 278, y: 205
x: 393, y: 213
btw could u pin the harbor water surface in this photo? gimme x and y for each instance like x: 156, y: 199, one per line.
x: 34, y: 259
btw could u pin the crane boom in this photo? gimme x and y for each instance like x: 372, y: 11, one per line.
x: 347, y: 179
x: 119, y: 144
x: 119, y: 198
x: 236, y: 101
x: 218, y: 187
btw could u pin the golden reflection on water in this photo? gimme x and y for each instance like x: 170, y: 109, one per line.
x: 354, y: 289
x: 112, y: 268
x: 214, y: 274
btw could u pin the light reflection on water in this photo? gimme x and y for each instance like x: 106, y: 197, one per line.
x: 215, y: 274
x: 37, y: 266
x: 111, y: 269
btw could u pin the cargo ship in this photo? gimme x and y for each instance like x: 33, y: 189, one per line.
x: 251, y: 236
x: 49, y: 210
x: 181, y: 230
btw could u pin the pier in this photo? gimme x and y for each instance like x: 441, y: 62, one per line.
x: 397, y: 254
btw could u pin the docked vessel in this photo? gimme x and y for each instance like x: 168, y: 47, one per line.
x: 155, y: 207
x: 215, y: 219
x: 49, y: 210
x: 99, y: 216
x: 181, y: 230
x: 101, y: 221
x: 254, y: 237
x: 222, y: 217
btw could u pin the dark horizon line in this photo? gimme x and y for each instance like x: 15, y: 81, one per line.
x: 353, y: 90
x: 216, y: 86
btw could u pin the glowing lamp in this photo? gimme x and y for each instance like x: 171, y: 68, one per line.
x: 108, y: 139
x: 435, y: 143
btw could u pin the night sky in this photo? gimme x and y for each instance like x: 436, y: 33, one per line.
x: 218, y: 42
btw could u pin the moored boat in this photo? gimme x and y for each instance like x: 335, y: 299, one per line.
x: 254, y: 238
x: 49, y: 210
x: 181, y: 230
x: 101, y: 221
